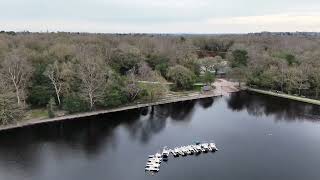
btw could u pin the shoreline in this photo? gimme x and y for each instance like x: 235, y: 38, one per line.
x: 286, y: 96
x: 33, y: 122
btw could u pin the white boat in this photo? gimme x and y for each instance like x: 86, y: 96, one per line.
x: 181, y: 151
x: 152, y: 165
x: 191, y: 149
x: 152, y: 169
x: 155, y: 158
x: 158, y: 155
x: 203, y: 150
x: 154, y: 161
x: 199, y: 148
x: 205, y: 147
x: 186, y: 150
x: 174, y: 153
x: 213, y: 146
x: 165, y: 152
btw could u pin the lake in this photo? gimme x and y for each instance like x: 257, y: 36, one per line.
x: 259, y: 137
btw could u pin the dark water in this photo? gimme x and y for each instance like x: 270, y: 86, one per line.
x: 259, y: 137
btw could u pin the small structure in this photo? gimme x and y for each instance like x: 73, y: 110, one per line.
x: 206, y: 88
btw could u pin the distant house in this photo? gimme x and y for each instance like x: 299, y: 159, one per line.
x: 204, y: 69
x: 221, y: 70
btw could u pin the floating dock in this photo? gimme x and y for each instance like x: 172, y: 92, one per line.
x: 154, y: 161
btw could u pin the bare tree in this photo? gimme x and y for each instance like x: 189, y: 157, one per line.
x: 58, y: 74
x: 10, y: 111
x: 133, y: 88
x: 239, y: 74
x: 144, y: 72
x: 283, y: 70
x: 315, y: 79
x: 302, y: 74
x: 296, y: 79
x: 92, y: 72
x: 17, y: 70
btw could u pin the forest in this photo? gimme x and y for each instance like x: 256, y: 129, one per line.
x: 79, y: 72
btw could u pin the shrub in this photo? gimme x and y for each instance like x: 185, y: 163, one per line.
x: 51, y: 108
x: 74, y: 104
x: 182, y: 77
x: 162, y: 68
x: 208, y: 77
x: 114, y: 96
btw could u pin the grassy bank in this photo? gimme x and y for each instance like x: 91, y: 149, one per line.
x: 37, y: 114
x: 287, y: 96
x: 176, y: 97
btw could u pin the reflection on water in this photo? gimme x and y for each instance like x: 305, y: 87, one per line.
x: 206, y: 103
x: 88, y: 134
x: 283, y: 109
x: 56, y: 150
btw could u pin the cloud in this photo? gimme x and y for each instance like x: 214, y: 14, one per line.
x: 165, y: 16
x: 303, y: 19
x: 162, y: 4
x: 274, y: 22
x: 244, y: 24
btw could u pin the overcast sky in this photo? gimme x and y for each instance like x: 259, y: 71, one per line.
x: 160, y: 16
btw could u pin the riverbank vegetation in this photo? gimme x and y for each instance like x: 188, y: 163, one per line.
x: 61, y: 73
x: 288, y: 65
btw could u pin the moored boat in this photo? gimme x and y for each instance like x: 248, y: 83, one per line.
x: 152, y: 169
x: 205, y: 147
x: 213, y: 146
x: 186, y: 150
x: 181, y: 152
x: 191, y: 149
x: 165, y: 152
x: 175, y: 152
x: 154, y: 160
x: 153, y: 163
x: 199, y: 148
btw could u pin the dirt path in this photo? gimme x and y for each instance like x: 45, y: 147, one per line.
x: 287, y: 96
x: 224, y: 87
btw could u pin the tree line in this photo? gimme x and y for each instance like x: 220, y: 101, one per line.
x: 284, y: 64
x: 83, y: 72
x: 76, y: 72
